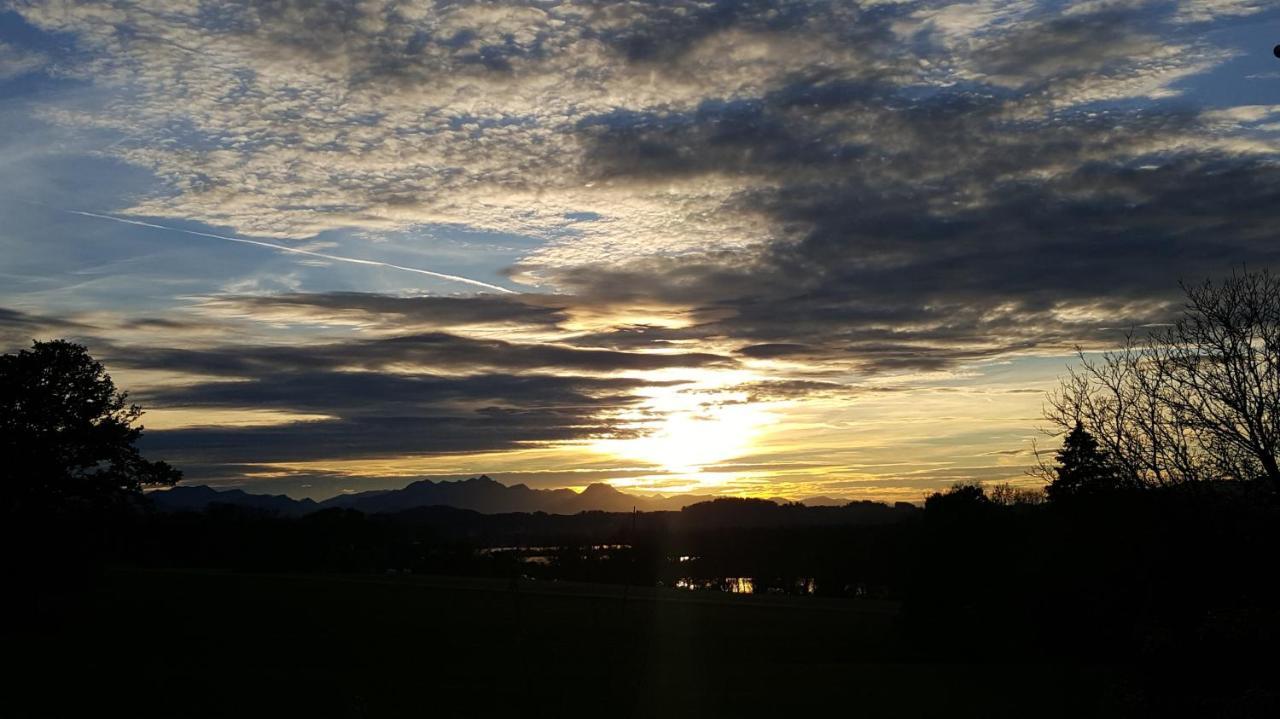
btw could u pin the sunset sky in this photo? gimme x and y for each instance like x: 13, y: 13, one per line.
x: 756, y: 248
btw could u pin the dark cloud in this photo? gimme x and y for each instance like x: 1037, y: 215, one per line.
x: 661, y: 32
x: 380, y: 436
x: 160, y: 323
x: 372, y: 393
x: 18, y: 329
x: 916, y: 230
x: 385, y: 435
x: 1063, y: 48
x: 375, y: 414
x: 404, y: 395
x: 775, y: 350
x: 633, y: 337
x: 438, y: 312
x: 370, y: 411
x: 436, y: 350
x: 775, y: 390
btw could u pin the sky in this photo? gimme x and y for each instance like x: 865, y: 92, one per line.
x: 773, y: 248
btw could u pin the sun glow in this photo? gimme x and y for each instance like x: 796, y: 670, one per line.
x: 692, y: 425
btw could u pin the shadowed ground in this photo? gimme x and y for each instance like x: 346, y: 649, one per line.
x: 227, y: 644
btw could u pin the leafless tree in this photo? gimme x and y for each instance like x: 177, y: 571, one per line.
x: 1196, y: 400
x: 1007, y: 495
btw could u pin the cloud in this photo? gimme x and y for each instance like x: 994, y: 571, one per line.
x: 398, y: 313
x: 371, y: 393
x: 210, y: 450
x: 815, y: 191
x: 19, y: 328
x: 375, y: 414
x: 781, y: 390
x: 407, y: 353
x: 284, y: 119
x: 16, y: 61
x: 667, y: 123
x: 398, y: 395
x: 312, y: 117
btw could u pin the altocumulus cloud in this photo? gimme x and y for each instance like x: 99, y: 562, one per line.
x: 875, y: 164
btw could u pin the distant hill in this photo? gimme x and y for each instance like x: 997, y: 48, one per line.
x: 823, y: 502
x: 480, y: 494
x: 199, y: 497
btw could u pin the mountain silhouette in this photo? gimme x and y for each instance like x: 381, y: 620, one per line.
x: 481, y: 494
x: 199, y: 497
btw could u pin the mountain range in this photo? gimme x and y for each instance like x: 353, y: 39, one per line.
x: 480, y: 494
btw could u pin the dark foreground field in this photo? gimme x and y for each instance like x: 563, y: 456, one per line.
x: 179, y: 644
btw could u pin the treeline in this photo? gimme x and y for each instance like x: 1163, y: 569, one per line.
x: 1154, y: 574
x: 726, y: 537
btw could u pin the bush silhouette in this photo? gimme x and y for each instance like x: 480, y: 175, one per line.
x: 960, y: 497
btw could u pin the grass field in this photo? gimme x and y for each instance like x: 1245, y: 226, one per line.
x: 191, y: 643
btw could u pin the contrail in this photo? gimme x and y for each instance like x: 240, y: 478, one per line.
x: 291, y: 250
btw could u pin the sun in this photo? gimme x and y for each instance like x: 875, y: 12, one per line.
x: 687, y: 441
x: 692, y: 426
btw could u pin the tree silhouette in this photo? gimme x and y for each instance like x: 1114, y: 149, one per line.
x: 960, y: 497
x: 67, y: 435
x: 1198, y: 400
x: 1083, y: 468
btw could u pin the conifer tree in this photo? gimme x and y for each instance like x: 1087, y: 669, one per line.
x: 1083, y: 468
